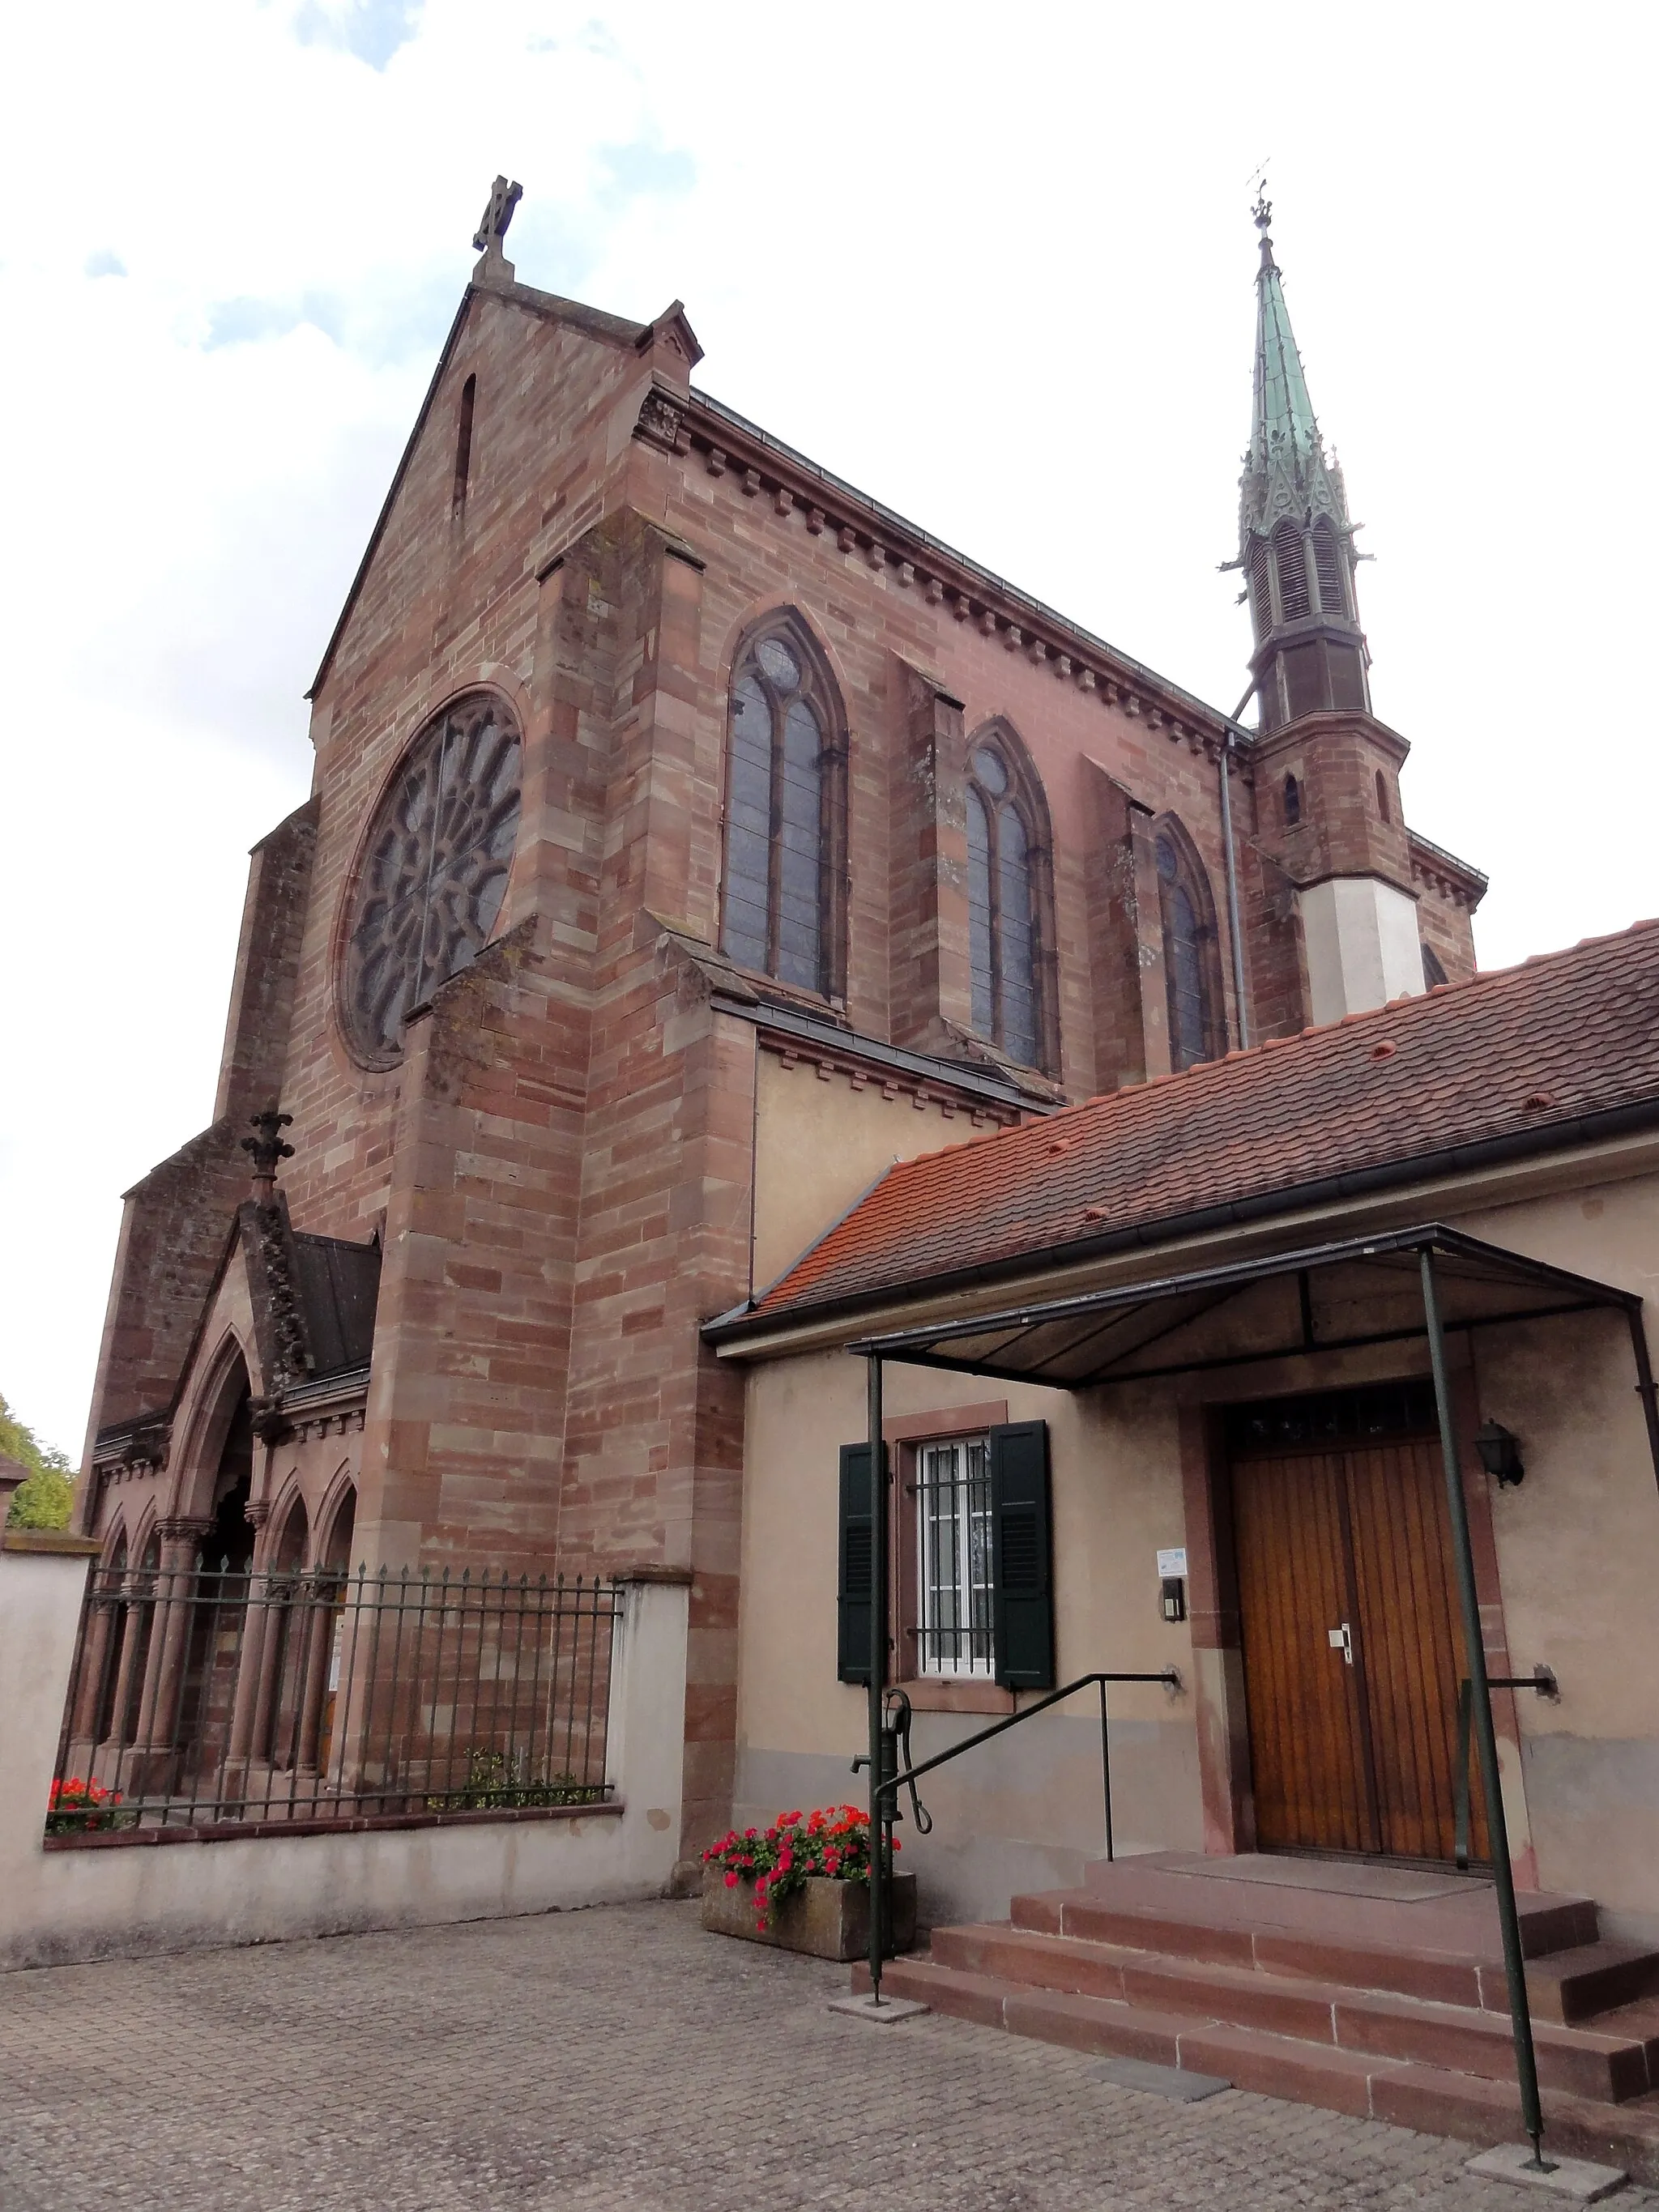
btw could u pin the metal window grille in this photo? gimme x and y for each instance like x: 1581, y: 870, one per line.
x: 953, y: 1501
x: 197, y: 1698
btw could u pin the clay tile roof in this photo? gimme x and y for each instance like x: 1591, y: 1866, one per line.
x: 1520, y: 1056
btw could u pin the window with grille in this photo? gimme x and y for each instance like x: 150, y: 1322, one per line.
x: 953, y: 1553
x: 782, y: 813
x: 1003, y: 970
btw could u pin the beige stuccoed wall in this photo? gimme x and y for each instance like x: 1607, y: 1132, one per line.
x: 56, y: 1907
x: 1578, y: 1551
x: 819, y: 1145
x: 1577, y: 1546
x: 1025, y: 1812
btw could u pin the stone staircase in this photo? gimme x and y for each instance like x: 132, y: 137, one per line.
x: 1371, y: 1989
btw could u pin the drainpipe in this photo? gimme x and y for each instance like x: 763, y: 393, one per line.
x: 1232, y: 880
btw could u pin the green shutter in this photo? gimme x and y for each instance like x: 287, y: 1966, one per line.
x: 857, y: 1547
x: 1022, y: 1583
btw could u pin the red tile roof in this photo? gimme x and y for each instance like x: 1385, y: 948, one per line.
x: 1517, y: 1058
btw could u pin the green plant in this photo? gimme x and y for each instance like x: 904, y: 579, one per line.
x: 75, y: 1806
x: 491, y: 1782
x: 832, y: 1843
x: 46, y: 1498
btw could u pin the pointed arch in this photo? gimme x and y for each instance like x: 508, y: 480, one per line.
x: 1010, y: 932
x: 784, y: 867
x: 337, y: 1518
x: 1292, y: 798
x: 1192, y: 965
x: 285, y: 1554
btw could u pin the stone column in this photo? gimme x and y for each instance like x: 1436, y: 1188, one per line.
x: 254, y: 1621
x: 153, y: 1742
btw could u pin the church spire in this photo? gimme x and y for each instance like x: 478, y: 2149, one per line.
x: 1296, y: 542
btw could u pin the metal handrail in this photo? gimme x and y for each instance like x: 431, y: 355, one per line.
x: 884, y: 1788
x: 1170, y: 1677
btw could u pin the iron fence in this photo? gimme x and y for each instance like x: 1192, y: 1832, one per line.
x: 198, y: 1697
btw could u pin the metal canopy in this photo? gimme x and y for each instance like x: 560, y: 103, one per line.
x: 1138, y: 1331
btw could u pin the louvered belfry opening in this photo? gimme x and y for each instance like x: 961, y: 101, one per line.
x: 1328, y: 567
x: 1290, y: 559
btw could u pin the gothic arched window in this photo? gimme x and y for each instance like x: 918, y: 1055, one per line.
x: 1433, y: 973
x: 784, y: 812
x: 1292, y: 802
x: 1187, y: 912
x: 1291, y: 558
x: 433, y: 872
x: 1006, y: 852
x: 1383, y: 812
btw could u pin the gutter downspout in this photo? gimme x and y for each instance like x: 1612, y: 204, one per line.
x: 1231, y: 859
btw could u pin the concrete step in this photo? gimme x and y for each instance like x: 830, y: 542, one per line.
x: 1568, y: 1985
x: 1588, y: 1979
x: 1407, y: 2094
x: 1607, y: 2064
x: 1375, y: 1904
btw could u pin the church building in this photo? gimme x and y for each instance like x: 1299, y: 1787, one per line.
x: 692, y: 838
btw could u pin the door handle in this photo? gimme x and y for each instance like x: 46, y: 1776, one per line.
x: 1342, y: 1640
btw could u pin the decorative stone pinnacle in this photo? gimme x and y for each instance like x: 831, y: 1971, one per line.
x: 267, y: 1150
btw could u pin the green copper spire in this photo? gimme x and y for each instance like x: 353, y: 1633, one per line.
x: 1285, y: 470
x: 1295, y: 540
x: 1284, y: 413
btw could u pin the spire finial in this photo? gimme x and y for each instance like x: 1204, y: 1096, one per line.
x: 1262, y: 212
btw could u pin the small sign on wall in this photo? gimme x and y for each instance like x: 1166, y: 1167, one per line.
x: 1172, y: 1566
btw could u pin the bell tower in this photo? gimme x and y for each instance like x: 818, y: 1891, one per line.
x: 1327, y: 798
x: 1295, y: 540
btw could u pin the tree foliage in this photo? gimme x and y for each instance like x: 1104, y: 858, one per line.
x: 44, y: 1501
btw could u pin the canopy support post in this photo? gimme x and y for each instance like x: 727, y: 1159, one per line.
x: 878, y: 1829
x: 1515, y: 1967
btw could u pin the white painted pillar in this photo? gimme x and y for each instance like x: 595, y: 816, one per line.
x: 1360, y: 941
x: 43, y: 1578
x: 645, y: 1738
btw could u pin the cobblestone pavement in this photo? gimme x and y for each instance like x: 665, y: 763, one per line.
x: 616, y: 2058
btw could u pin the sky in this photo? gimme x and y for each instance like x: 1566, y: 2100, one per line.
x: 995, y: 267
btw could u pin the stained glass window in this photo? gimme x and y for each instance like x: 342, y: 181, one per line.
x: 1186, y: 957
x: 1002, y: 936
x: 434, y: 869
x: 781, y: 801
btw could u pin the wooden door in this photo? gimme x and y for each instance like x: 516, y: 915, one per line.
x: 1353, y: 1648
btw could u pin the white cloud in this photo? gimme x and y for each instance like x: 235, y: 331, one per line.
x: 996, y: 269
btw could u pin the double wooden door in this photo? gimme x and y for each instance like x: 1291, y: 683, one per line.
x: 1353, y: 1646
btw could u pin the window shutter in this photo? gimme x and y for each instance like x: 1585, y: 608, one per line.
x: 857, y: 1549
x: 1023, y: 1605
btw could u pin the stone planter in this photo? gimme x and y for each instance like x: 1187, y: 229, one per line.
x: 826, y: 1919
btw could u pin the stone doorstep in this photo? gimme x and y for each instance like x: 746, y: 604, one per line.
x: 1401, y: 2092
x: 1612, y: 2063
x: 1567, y: 1985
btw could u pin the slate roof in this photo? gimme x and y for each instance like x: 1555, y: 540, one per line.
x: 1551, y: 1053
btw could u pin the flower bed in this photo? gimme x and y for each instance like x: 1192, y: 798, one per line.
x: 76, y: 1808
x: 804, y: 1885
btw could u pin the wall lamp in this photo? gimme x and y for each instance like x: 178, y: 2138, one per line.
x: 1500, y: 1452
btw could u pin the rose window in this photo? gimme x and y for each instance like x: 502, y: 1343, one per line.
x: 435, y: 871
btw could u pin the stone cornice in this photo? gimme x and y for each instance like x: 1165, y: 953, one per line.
x: 1443, y: 872
x: 798, y: 488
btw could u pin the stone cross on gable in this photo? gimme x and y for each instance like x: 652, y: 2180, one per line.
x: 492, y: 229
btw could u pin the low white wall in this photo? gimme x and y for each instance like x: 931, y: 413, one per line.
x: 56, y: 1907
